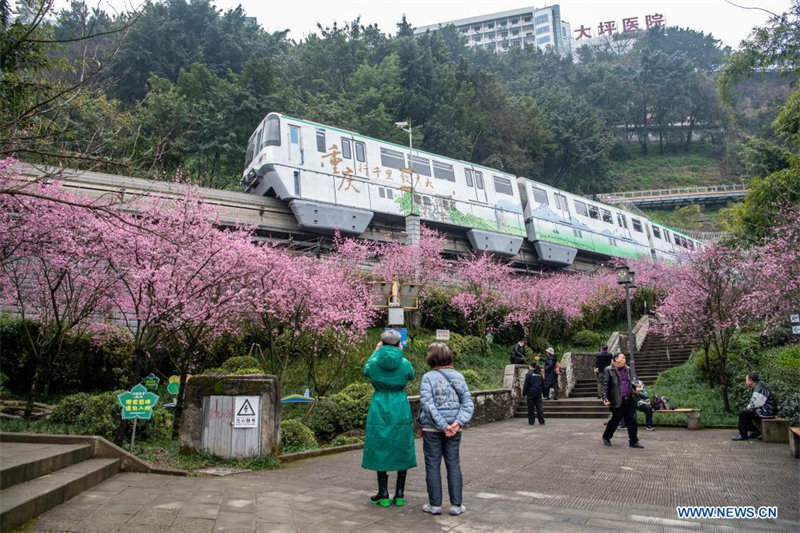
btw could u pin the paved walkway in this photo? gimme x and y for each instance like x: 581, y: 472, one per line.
x: 557, y: 477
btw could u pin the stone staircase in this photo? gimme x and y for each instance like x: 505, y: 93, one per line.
x: 566, y: 408
x: 35, y: 477
x: 584, y: 388
x: 657, y: 355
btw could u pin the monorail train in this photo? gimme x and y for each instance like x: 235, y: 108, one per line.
x: 336, y: 179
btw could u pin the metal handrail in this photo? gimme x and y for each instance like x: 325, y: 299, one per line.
x: 672, y: 192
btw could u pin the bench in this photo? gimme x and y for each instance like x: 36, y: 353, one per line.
x: 794, y: 442
x: 774, y: 430
x: 692, y: 416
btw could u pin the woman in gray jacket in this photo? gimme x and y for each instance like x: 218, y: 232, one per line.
x: 445, y: 408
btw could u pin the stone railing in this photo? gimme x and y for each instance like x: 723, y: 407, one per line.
x: 619, y: 340
x: 578, y: 366
x: 490, y: 405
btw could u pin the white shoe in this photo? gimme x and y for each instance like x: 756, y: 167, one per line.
x: 457, y: 510
x: 431, y: 509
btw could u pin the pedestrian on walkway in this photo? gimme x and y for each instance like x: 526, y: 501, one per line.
x: 762, y: 405
x: 643, y: 404
x: 445, y: 408
x: 532, y: 390
x: 619, y: 398
x: 550, y: 375
x: 601, y: 360
x: 518, y: 353
x: 389, y: 439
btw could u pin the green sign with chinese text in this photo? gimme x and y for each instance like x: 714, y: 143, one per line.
x: 137, y: 403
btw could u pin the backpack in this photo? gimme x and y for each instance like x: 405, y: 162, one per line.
x: 658, y: 405
x: 558, y: 369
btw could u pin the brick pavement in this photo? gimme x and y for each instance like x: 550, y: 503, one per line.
x: 558, y: 477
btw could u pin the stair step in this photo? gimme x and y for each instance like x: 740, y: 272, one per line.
x: 20, y: 503
x: 566, y: 414
x: 26, y: 461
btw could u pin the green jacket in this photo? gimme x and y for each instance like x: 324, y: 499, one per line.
x: 389, y: 441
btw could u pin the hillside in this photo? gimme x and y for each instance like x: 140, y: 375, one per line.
x: 665, y: 171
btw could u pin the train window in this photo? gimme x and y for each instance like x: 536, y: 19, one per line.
x: 294, y: 134
x: 637, y: 225
x: 594, y: 212
x: 622, y: 221
x: 381, y: 192
x: 392, y: 158
x: 258, y: 136
x: 347, y: 150
x: 390, y: 194
x: 656, y: 232
x: 468, y: 176
x: 561, y: 202
x: 320, y: 141
x: 539, y: 195
x: 666, y: 235
x: 479, y: 179
x: 443, y: 171
x: 580, y: 208
x: 426, y: 200
x: 272, y: 131
x: 421, y: 165
x: 607, y: 216
x: 503, y: 186
x: 361, y: 154
x: 691, y: 244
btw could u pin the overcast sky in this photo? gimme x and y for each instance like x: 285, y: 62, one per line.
x: 723, y: 19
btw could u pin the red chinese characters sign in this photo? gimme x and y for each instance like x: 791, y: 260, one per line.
x: 630, y: 24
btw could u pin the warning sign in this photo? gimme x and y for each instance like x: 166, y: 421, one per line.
x: 246, y: 412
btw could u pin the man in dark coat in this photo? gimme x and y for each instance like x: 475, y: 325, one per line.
x: 601, y: 360
x: 618, y: 396
x: 518, y: 353
x: 762, y: 405
x: 550, y: 376
x: 532, y: 389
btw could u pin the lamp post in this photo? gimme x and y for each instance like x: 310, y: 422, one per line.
x: 412, y: 219
x: 627, y: 278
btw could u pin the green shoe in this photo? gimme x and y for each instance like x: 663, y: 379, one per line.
x: 399, y: 501
x: 378, y: 499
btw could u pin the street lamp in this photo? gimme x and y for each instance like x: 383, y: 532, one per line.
x: 627, y: 278
x: 412, y: 219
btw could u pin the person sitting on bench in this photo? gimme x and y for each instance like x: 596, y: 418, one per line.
x: 762, y: 405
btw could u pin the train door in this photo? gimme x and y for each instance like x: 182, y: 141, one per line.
x: 361, y: 163
x: 475, y: 185
x: 296, y: 155
x: 354, y: 158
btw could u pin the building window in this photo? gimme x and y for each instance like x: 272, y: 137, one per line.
x: 580, y: 208
x: 543, y: 40
x: 543, y: 29
x: 539, y: 195
x: 541, y: 19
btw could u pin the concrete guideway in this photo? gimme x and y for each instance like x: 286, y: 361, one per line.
x: 557, y: 477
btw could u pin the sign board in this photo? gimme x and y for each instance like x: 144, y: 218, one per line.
x: 403, y: 336
x: 151, y: 382
x: 442, y: 334
x: 137, y: 403
x: 396, y: 316
x: 795, y: 330
x: 794, y: 318
x: 245, y: 414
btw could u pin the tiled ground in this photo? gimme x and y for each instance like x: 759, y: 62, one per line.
x: 557, y: 477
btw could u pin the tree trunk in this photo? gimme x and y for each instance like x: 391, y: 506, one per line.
x: 723, y: 389
x: 708, y: 368
x: 176, y: 424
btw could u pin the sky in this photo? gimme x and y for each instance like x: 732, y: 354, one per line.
x: 721, y: 18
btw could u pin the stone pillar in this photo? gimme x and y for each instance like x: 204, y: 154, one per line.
x: 224, y: 388
x: 693, y: 420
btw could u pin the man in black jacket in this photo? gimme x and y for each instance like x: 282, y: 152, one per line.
x: 550, y: 375
x: 532, y: 389
x: 618, y: 395
x: 518, y: 353
x: 762, y: 405
x: 601, y: 360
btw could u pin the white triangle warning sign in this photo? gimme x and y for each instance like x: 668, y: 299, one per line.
x: 246, y: 409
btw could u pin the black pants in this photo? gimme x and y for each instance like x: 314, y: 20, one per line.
x: 546, y: 391
x: 746, y: 418
x: 535, y: 401
x: 648, y: 413
x: 626, y: 410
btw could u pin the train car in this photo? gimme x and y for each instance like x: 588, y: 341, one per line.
x: 336, y: 179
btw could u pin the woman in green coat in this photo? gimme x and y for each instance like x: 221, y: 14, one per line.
x: 389, y: 441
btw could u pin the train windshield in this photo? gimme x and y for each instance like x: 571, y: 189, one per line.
x: 272, y: 131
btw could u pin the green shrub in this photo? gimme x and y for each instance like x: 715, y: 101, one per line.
x: 340, y: 412
x: 472, y: 378
x: 232, y: 365
x: 538, y: 345
x: 438, y: 313
x: 344, y: 440
x: 588, y: 338
x: 243, y: 371
x: 462, y: 346
x: 296, y: 437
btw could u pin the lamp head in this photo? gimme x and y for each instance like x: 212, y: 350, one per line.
x: 403, y: 124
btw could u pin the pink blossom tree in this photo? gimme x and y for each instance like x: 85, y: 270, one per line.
x: 707, y: 304
x: 483, y: 281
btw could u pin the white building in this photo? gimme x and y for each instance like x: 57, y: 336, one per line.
x: 517, y: 27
